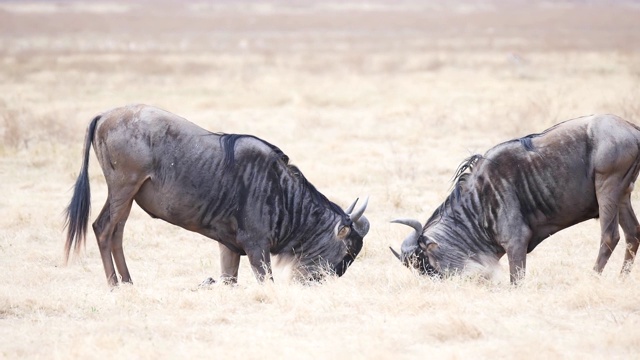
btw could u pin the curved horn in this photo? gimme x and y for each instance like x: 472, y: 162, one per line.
x: 415, y: 224
x: 357, y: 213
x: 350, y: 208
x: 395, y: 253
x: 411, y: 242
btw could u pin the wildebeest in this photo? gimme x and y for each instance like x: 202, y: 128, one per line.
x: 236, y: 189
x: 523, y: 190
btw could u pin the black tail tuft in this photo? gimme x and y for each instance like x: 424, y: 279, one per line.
x: 77, y: 213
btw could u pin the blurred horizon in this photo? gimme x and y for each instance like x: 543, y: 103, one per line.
x: 254, y: 26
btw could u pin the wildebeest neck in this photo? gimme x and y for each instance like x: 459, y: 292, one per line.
x: 311, y: 233
x: 463, y: 226
x: 302, y: 220
x: 459, y: 231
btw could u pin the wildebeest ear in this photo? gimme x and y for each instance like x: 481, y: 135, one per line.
x: 342, y: 231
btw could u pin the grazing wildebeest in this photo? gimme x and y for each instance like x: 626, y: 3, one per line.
x: 523, y: 190
x: 237, y: 189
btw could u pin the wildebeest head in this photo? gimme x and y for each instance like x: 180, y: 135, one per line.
x: 338, y: 251
x: 352, y: 232
x: 415, y: 249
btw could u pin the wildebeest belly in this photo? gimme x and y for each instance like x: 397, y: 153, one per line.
x: 194, y: 211
x: 551, y: 226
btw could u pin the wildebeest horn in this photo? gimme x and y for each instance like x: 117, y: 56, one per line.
x: 357, y: 213
x: 360, y: 222
x: 350, y: 208
x: 395, y: 253
x: 411, y: 242
x: 415, y: 224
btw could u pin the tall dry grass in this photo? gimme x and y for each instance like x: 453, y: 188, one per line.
x: 367, y: 99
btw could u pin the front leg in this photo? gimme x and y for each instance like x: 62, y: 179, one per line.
x: 515, y: 245
x: 229, y: 264
x: 517, y: 256
x: 260, y: 260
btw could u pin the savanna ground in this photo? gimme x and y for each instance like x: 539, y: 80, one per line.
x: 367, y: 98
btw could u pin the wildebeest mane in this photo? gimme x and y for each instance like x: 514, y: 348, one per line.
x: 459, y: 179
x: 228, y: 143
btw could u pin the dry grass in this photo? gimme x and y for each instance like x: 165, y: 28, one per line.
x: 367, y: 99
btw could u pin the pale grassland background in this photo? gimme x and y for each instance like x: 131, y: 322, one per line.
x: 367, y: 98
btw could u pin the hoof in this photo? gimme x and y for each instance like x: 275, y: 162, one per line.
x: 229, y: 281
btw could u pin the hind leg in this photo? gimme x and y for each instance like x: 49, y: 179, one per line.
x: 609, y: 197
x: 108, y: 229
x: 103, y: 236
x: 631, y: 229
x: 118, y: 254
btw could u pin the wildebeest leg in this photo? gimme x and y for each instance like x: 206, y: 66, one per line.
x: 516, y: 249
x: 104, y: 242
x: 229, y: 263
x: 261, y: 264
x: 631, y: 228
x: 108, y: 228
x: 609, y: 198
x: 517, y: 256
x: 118, y: 254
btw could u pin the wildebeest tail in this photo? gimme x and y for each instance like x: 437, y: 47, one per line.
x: 77, y: 213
